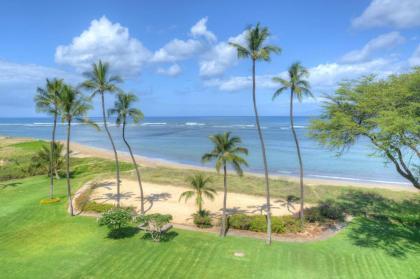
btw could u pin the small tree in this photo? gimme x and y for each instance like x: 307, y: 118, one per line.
x: 156, y: 224
x: 115, y: 218
x: 42, y: 160
x: 200, y: 189
x: 386, y: 112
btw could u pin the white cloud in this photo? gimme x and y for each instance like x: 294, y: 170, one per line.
x: 384, y: 41
x: 323, y: 77
x: 200, y: 29
x: 397, y: 13
x: 173, y: 70
x: 177, y: 50
x: 415, y: 57
x: 220, y: 57
x: 108, y: 41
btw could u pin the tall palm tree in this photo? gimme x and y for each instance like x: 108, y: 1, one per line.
x: 300, y: 88
x: 257, y: 50
x: 200, y: 189
x: 46, y: 100
x: 99, y: 81
x: 73, y: 106
x: 123, y: 109
x: 226, y: 151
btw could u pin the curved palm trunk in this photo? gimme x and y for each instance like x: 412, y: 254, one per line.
x: 301, y: 214
x: 223, y: 225
x: 52, y: 168
x: 113, y: 148
x: 68, y: 168
x: 267, y: 185
x: 137, y: 171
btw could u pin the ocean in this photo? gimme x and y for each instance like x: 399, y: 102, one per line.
x: 185, y: 139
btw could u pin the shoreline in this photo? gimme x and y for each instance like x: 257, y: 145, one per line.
x: 82, y: 150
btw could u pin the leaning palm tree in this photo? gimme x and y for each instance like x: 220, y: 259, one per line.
x: 200, y: 189
x: 99, y: 81
x: 123, y: 109
x: 46, y: 100
x: 226, y: 151
x: 73, y: 107
x: 257, y: 50
x: 300, y: 88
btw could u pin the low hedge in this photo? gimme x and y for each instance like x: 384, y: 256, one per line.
x: 258, y: 223
x: 49, y: 201
x: 97, y: 207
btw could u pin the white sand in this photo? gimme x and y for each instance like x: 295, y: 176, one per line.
x: 164, y: 199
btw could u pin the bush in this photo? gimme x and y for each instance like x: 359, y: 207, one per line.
x: 258, y: 223
x: 49, y: 201
x: 331, y: 210
x: 154, y: 224
x: 115, y: 218
x: 97, y: 207
x: 313, y: 215
x: 202, y: 219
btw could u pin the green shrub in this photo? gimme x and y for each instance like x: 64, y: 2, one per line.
x: 154, y: 224
x: 313, y: 215
x: 258, y: 223
x: 115, y: 218
x: 97, y: 207
x: 240, y: 221
x: 202, y: 219
x: 331, y: 210
x: 49, y: 201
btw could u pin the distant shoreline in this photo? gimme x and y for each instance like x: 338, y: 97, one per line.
x: 82, y: 150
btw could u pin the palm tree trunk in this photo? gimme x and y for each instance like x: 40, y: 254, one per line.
x: 301, y: 214
x: 267, y: 185
x: 223, y: 227
x: 137, y: 170
x: 68, y: 168
x: 52, y: 157
x: 113, y: 147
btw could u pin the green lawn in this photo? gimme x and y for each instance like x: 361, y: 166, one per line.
x: 42, y: 241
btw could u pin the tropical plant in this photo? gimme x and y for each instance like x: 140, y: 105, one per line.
x: 256, y: 49
x: 200, y: 189
x: 299, y: 88
x: 41, y: 161
x: 46, y: 100
x: 156, y: 225
x: 123, y: 109
x: 115, y: 218
x: 99, y: 81
x: 226, y: 151
x: 385, y: 112
x: 73, y: 107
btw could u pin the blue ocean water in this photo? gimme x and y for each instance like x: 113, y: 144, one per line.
x: 185, y: 139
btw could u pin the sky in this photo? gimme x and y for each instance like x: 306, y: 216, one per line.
x: 175, y: 56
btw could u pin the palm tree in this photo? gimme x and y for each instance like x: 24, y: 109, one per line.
x: 257, y: 50
x: 226, y: 151
x: 200, y: 189
x: 123, y: 109
x: 99, y: 81
x: 73, y: 106
x: 300, y: 88
x: 46, y: 101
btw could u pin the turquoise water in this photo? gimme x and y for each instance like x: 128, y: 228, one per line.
x: 185, y: 139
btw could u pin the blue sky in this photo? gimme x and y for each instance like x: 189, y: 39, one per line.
x: 174, y: 54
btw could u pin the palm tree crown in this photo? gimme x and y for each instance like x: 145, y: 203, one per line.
x: 200, y: 189
x: 255, y: 47
x: 99, y: 80
x: 296, y: 82
x: 123, y: 108
x: 73, y: 105
x: 226, y: 150
x: 46, y: 99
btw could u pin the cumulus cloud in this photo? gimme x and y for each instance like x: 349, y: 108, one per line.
x: 173, y: 70
x: 415, y: 57
x: 384, y: 41
x: 323, y: 77
x: 177, y: 50
x: 200, y: 29
x: 220, y: 57
x: 397, y: 13
x: 108, y: 41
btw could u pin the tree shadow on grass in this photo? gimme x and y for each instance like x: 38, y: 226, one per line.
x: 10, y: 184
x: 166, y: 237
x: 382, y: 223
x: 125, y: 232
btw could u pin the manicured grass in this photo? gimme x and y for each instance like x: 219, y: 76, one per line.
x: 43, y: 241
